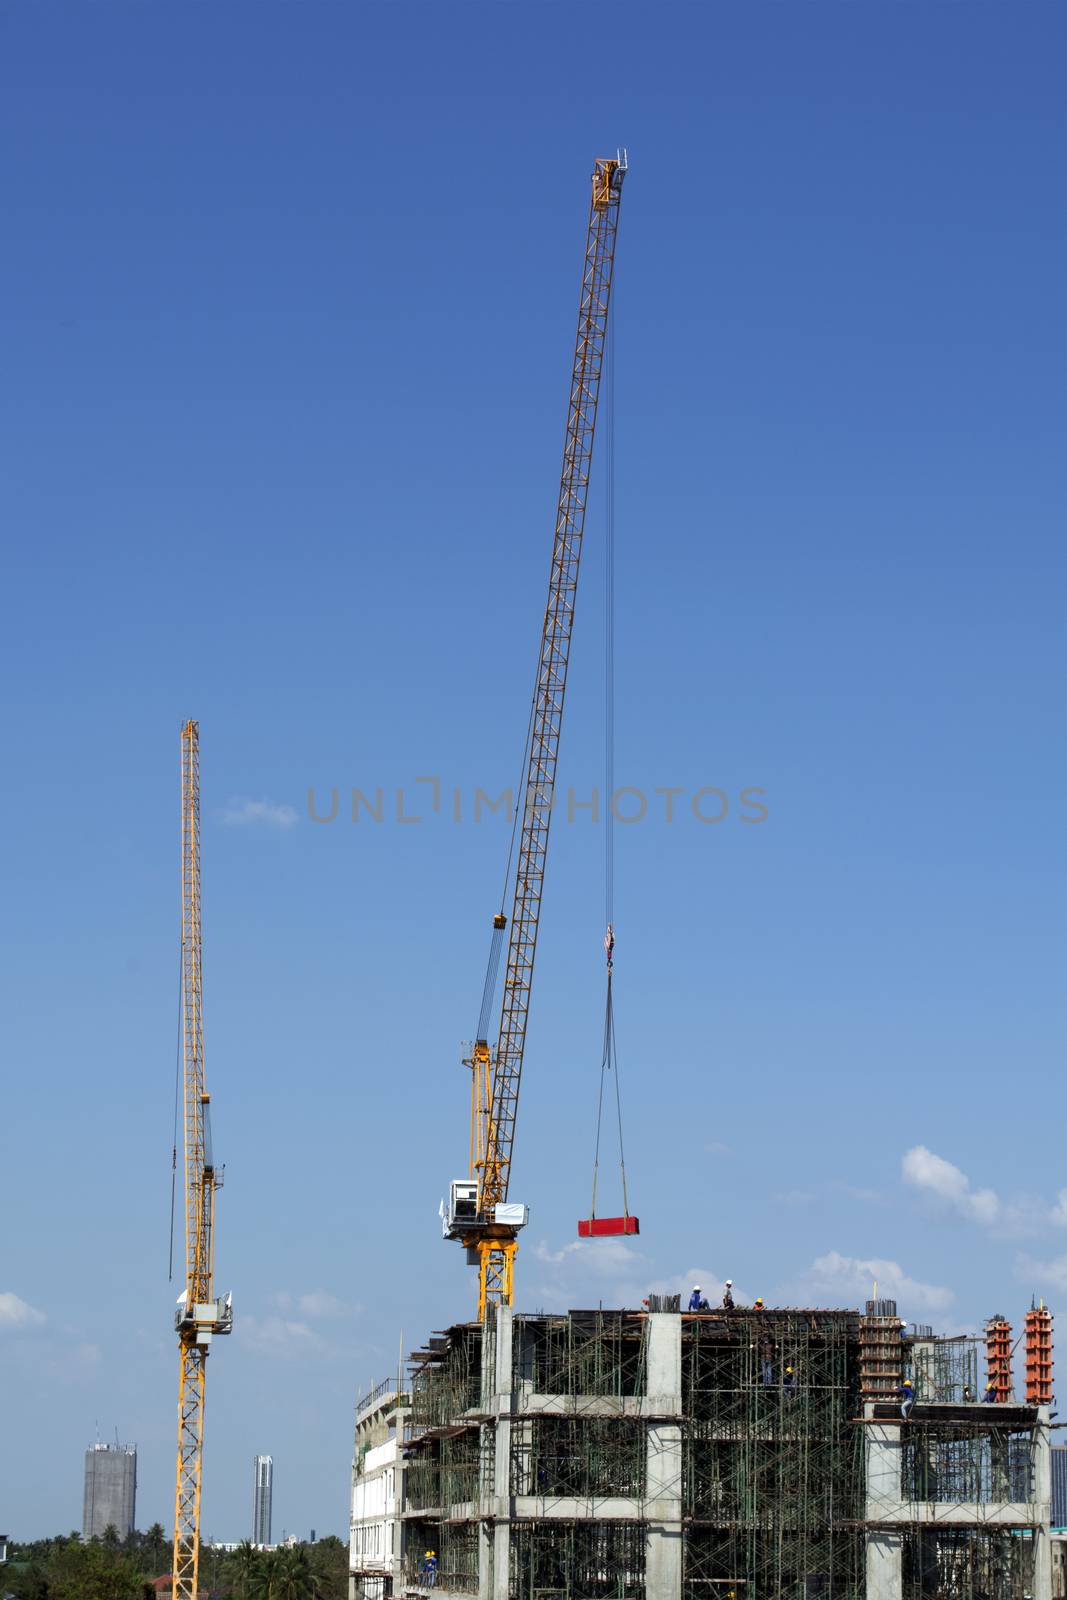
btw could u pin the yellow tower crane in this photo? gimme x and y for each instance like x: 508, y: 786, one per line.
x: 199, y: 1315
x: 478, y: 1214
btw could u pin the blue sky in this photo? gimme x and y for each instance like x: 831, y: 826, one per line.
x: 288, y: 299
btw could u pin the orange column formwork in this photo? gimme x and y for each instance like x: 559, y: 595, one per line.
x: 1039, y: 1356
x: 998, y: 1357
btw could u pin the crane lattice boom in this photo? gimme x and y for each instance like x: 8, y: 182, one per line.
x: 496, y: 1077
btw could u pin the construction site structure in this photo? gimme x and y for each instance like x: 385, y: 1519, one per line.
x: 199, y: 1315
x: 881, y: 1352
x: 1038, y: 1328
x: 662, y: 1455
x: 479, y: 1215
x: 998, y: 1352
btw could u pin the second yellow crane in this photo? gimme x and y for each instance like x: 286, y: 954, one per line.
x: 200, y: 1316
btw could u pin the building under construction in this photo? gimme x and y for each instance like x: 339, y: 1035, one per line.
x: 733, y: 1453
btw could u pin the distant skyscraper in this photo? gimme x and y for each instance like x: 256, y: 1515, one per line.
x: 263, y: 1484
x: 110, y: 1490
x: 1059, y: 1486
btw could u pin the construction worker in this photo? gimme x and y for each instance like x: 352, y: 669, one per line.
x: 728, y: 1295
x: 759, y: 1303
x: 789, y: 1383
x: 429, y: 1568
x: 991, y: 1392
x: 695, y: 1299
x: 766, y: 1362
x: 907, y: 1398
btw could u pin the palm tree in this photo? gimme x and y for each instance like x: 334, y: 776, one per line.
x: 295, y: 1580
x: 246, y: 1560
x: 155, y: 1547
x: 264, y: 1584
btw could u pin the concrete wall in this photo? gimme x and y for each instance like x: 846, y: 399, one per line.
x: 375, y: 1531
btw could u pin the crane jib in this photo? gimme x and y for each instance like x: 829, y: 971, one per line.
x: 551, y: 683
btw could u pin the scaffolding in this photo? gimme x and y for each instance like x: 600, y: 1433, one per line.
x: 754, y: 1481
x: 579, y: 1457
x: 945, y: 1370
x: 957, y: 1463
x: 446, y: 1378
x: 455, y: 1548
x: 445, y: 1471
x: 966, y: 1564
x: 772, y: 1484
x: 590, y: 1560
x: 586, y: 1353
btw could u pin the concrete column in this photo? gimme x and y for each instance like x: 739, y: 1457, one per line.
x: 884, y: 1577
x: 664, y: 1358
x: 1042, y: 1496
x: 882, y: 1457
x: 501, y: 1560
x: 497, y: 1584
x: 663, y: 1467
x: 505, y: 1333
x: 663, y: 1562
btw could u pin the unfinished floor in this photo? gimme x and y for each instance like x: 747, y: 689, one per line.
x: 748, y: 1454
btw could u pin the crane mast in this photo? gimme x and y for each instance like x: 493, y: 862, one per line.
x: 199, y: 1315
x: 479, y: 1215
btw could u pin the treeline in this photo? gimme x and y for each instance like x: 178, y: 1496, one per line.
x: 68, y: 1568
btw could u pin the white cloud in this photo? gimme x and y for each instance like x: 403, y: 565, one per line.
x: 613, y: 1272
x: 258, y: 813
x: 15, y: 1313
x: 852, y: 1279
x: 710, y: 1284
x: 932, y: 1175
x: 1058, y: 1214
x: 279, y: 1336
x: 313, y: 1305
x: 1043, y: 1273
x: 870, y: 1197
x: 717, y: 1148
x: 618, y: 1269
x: 320, y: 1304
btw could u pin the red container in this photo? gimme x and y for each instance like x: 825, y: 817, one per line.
x: 607, y: 1227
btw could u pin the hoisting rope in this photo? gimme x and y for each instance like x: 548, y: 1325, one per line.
x: 609, y: 1061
